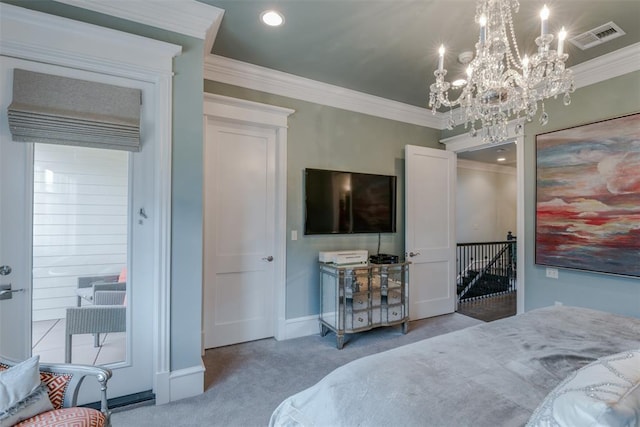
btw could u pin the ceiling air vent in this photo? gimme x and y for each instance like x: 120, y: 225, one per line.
x: 599, y: 35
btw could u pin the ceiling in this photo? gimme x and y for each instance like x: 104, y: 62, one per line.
x: 388, y: 48
x: 492, y: 153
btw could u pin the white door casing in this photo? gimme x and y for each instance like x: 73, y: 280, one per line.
x: 244, y: 220
x: 134, y: 374
x: 430, y: 244
x: 465, y: 142
x: 76, y: 49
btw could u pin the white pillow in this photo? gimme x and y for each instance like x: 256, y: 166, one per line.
x: 34, y: 404
x: 603, y: 393
x: 18, y: 382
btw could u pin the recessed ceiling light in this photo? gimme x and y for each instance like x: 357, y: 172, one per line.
x: 272, y: 18
x: 501, y: 159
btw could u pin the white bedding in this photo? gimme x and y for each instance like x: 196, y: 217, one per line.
x: 493, y: 374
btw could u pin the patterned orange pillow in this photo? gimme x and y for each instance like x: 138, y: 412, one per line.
x: 77, y: 417
x: 57, y: 385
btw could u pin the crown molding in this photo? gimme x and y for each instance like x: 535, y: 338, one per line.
x: 42, y: 37
x: 188, y: 17
x: 225, y: 70
x: 607, y: 66
x: 237, y: 73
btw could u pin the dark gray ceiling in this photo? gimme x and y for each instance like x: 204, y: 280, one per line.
x: 388, y: 48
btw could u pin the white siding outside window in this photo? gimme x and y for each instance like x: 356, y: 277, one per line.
x: 80, y: 204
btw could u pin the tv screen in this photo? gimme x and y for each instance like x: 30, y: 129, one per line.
x: 347, y: 202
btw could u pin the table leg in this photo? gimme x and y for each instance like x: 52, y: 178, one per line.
x: 323, y: 330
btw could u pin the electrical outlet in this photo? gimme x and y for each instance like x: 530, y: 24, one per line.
x: 294, y: 234
x: 552, y: 273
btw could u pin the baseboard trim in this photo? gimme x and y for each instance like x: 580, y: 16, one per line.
x: 124, y: 401
x: 301, y: 327
x: 186, y: 382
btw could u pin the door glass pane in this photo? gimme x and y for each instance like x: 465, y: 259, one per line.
x: 80, y: 235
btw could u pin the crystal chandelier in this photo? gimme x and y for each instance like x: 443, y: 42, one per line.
x: 501, y: 85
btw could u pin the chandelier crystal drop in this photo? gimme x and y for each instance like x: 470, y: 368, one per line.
x: 501, y: 84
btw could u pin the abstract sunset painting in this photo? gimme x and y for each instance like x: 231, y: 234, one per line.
x: 588, y: 197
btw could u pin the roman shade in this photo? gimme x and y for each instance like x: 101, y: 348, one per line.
x: 61, y: 110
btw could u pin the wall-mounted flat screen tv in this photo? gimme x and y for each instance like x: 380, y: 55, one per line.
x: 347, y: 202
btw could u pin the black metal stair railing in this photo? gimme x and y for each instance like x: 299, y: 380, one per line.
x: 486, y: 269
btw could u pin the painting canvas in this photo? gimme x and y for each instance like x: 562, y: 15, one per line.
x: 588, y: 197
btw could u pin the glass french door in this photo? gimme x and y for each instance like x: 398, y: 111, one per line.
x: 80, y: 235
x: 75, y: 237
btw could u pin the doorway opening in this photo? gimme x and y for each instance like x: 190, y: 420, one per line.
x: 486, y: 222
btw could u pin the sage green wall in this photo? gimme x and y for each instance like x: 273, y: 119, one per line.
x: 331, y: 138
x: 186, y: 237
x: 609, y: 99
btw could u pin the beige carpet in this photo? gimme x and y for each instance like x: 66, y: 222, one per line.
x: 246, y: 382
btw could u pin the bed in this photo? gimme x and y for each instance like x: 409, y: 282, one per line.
x: 546, y: 367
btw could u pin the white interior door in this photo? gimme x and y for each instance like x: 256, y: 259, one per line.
x: 430, y: 244
x: 239, y: 224
x: 134, y: 373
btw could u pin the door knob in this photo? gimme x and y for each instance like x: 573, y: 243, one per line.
x: 6, y: 292
x: 268, y: 259
x: 412, y: 254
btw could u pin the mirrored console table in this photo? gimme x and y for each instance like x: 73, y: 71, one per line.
x: 356, y: 298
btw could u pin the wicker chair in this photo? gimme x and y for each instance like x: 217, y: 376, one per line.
x: 88, y: 285
x: 63, y: 384
x: 108, y: 314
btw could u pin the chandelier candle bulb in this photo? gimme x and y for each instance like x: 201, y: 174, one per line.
x: 525, y: 66
x: 441, y: 58
x: 544, y: 19
x: 561, y: 36
x: 483, y: 29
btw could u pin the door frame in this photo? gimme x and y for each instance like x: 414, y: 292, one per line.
x: 224, y: 108
x: 465, y: 142
x: 40, y: 37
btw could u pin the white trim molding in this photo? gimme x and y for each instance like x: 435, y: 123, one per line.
x: 188, y: 17
x: 186, y: 382
x: 237, y: 73
x: 39, y: 37
x: 465, y: 142
x: 221, y: 107
x: 607, y: 66
x: 301, y: 327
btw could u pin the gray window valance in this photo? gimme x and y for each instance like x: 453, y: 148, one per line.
x: 62, y: 110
